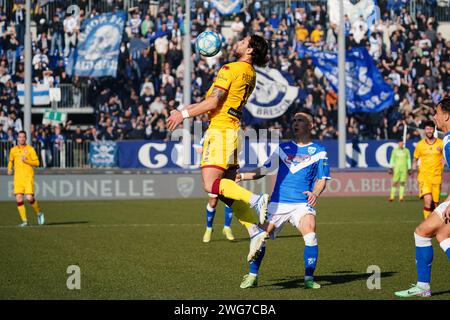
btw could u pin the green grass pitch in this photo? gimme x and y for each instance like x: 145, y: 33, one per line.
x: 153, y: 249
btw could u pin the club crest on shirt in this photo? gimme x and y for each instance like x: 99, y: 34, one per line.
x: 311, y: 150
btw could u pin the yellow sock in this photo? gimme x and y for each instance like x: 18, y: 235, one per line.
x: 22, y: 211
x: 244, y: 213
x: 426, y: 212
x: 35, y: 206
x: 230, y: 189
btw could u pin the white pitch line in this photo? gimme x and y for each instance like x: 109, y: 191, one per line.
x: 147, y: 225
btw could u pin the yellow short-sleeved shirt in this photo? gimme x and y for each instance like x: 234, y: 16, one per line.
x: 23, y: 170
x: 431, y: 161
x: 238, y: 79
x: 221, y: 143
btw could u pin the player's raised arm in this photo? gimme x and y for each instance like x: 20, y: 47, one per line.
x: 10, y: 162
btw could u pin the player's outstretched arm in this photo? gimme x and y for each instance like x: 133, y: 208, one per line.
x: 252, y: 175
x: 214, y: 100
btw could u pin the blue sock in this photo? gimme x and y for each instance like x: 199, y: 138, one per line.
x: 210, y: 213
x: 310, y: 259
x: 228, y: 216
x: 255, y: 264
x: 424, y: 257
x: 445, y: 245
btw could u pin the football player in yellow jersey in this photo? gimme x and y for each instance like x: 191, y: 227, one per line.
x: 224, y: 102
x: 22, y: 159
x: 429, y: 177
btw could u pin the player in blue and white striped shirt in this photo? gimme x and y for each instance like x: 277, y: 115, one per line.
x: 302, y: 171
x: 437, y: 224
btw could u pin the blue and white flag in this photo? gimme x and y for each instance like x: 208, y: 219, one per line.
x: 103, y: 154
x: 272, y: 96
x: 227, y: 7
x: 97, y: 52
x: 355, y: 8
x: 40, y: 92
x: 366, y: 90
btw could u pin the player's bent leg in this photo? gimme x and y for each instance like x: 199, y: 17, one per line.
x: 423, y: 235
x: 247, y: 218
x: 427, y: 201
x: 228, y: 216
x: 210, y: 213
x: 35, y: 205
x: 307, y: 228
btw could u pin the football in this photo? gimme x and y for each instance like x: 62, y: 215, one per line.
x: 208, y: 43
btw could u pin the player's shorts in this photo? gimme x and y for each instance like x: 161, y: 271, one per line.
x: 24, y: 186
x: 220, y: 148
x: 400, y: 175
x: 441, y: 209
x: 280, y: 213
x: 429, y: 188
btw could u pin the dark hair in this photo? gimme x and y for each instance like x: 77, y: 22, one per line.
x: 445, y: 105
x: 22, y: 131
x: 260, y: 52
x: 429, y: 123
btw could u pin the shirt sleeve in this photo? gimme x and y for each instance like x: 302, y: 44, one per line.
x: 224, y: 78
x: 11, y: 160
x: 417, y: 152
x: 323, y: 170
x: 392, y: 160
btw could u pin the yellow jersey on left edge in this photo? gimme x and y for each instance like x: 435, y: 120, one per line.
x: 238, y: 79
x: 23, y: 170
x: 431, y: 161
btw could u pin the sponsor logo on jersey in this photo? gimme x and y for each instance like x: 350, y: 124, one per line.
x: 297, y: 158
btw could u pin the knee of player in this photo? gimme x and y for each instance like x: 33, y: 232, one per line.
x: 212, y: 201
x: 421, y: 231
x: 30, y: 198
x: 310, y: 239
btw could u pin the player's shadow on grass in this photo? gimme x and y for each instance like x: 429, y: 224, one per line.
x: 65, y: 223
x: 338, y: 277
x: 440, y: 292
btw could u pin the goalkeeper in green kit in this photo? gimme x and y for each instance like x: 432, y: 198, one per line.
x: 400, y: 167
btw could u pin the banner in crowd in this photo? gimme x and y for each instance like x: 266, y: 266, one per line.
x: 366, y: 90
x: 103, y: 154
x: 273, y: 95
x: 40, y: 92
x: 54, y: 117
x: 97, y: 52
x: 354, y: 9
x: 226, y: 7
x: 157, y: 155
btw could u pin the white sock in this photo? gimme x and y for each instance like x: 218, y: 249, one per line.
x: 445, y: 245
x: 309, y: 278
x: 254, y: 200
x: 423, y: 285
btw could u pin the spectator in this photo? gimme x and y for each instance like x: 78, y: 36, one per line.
x: 70, y: 33
x: 57, y: 30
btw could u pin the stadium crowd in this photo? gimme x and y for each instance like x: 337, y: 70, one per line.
x: 411, y: 55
